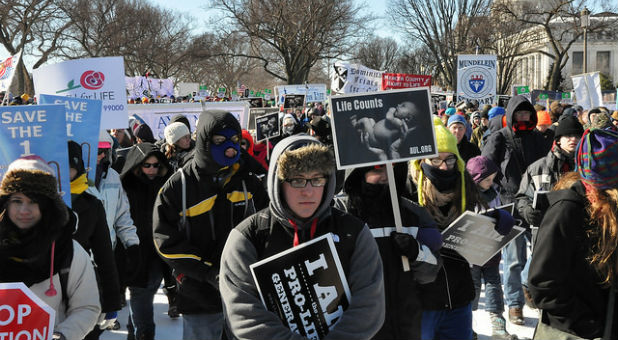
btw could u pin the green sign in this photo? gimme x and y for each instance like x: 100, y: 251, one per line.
x: 543, y: 96
x: 566, y: 95
x: 522, y: 89
x: 203, y: 87
x: 251, y: 94
x: 269, y: 91
x: 234, y: 93
x: 221, y: 89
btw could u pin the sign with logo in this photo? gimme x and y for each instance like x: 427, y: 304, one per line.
x: 221, y: 92
x: 36, y: 130
x: 94, y: 78
x: 380, y: 127
x: 305, y: 286
x: 354, y: 78
x: 7, y: 71
x: 83, y: 117
x: 476, y: 78
x: 403, y: 80
x: 23, y: 315
x: 267, y: 94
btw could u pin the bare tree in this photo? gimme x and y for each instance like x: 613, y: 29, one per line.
x: 558, y: 23
x: 378, y: 53
x: 289, y: 37
x: 442, y: 26
x: 34, y: 27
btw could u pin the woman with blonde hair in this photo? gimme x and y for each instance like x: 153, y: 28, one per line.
x: 573, y: 269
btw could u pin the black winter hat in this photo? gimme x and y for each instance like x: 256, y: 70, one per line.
x: 568, y: 125
x: 75, y: 157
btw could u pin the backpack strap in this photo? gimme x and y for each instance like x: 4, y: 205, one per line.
x: 63, y: 274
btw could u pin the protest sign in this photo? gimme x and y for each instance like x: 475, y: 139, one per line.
x: 293, y: 101
x: 36, y: 130
x: 587, y: 88
x: 476, y: 78
x: 380, y: 127
x: 267, y: 126
x: 141, y: 86
x: 474, y: 238
x: 354, y: 78
x: 305, y: 286
x: 7, y: 71
x: 83, y: 117
x: 157, y: 116
x: 257, y: 112
x: 391, y: 81
x: 313, y: 92
x: 254, y: 102
x: 543, y: 97
x: 94, y: 78
x: 23, y: 315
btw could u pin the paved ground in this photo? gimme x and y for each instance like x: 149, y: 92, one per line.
x: 168, y: 329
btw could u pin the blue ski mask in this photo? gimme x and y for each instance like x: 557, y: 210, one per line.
x: 217, y: 151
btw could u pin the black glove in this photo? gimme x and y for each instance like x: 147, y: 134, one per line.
x: 504, y: 221
x: 133, y: 261
x: 405, y: 245
x: 533, y: 216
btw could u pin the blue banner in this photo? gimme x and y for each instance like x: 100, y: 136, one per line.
x: 36, y: 130
x: 83, y: 119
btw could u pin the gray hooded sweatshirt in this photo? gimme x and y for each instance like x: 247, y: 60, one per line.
x: 247, y: 318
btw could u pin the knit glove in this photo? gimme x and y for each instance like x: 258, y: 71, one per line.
x: 133, y: 261
x: 107, y: 319
x: 533, y: 216
x: 405, y: 245
x: 504, y: 221
x: 431, y: 237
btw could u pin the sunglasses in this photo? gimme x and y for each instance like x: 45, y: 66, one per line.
x: 148, y: 165
x: 101, y: 151
x: 302, y: 182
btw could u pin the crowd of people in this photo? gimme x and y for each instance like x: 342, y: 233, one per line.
x: 191, y: 212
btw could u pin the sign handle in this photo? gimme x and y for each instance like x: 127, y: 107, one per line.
x: 396, y: 212
x: 267, y: 149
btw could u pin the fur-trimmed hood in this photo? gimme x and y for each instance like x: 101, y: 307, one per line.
x: 294, y: 160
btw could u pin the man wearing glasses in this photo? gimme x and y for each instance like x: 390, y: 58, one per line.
x: 144, y: 172
x: 194, y: 213
x: 301, y: 185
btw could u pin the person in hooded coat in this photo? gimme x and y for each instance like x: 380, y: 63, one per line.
x: 367, y: 197
x: 144, y: 173
x: 513, y: 148
x: 220, y: 193
x: 36, y: 227
x: 301, y: 185
x: 93, y: 235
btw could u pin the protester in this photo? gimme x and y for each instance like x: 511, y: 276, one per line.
x: 513, y: 148
x: 177, y: 147
x: 248, y: 155
x: 573, y: 275
x: 543, y: 125
x: 483, y: 171
x: 368, y: 198
x: 93, y: 235
x: 301, y: 184
x: 446, y: 190
x: 457, y: 126
x: 143, y: 134
x: 36, y: 227
x: 477, y: 134
x: 143, y: 175
x: 220, y: 193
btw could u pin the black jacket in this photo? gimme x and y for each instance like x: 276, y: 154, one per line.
x: 513, y: 151
x: 562, y: 282
x: 93, y: 235
x: 403, y: 304
x: 467, y: 150
x: 142, y: 193
x: 217, y: 200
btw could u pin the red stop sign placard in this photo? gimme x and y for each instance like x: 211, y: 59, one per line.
x: 23, y: 315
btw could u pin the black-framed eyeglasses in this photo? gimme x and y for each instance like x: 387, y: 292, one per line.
x: 101, y: 151
x: 302, y: 182
x: 219, y: 139
x: 450, y: 161
x: 148, y: 165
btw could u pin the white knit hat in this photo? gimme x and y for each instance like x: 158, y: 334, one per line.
x: 30, y: 163
x: 105, y: 140
x: 175, y: 131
